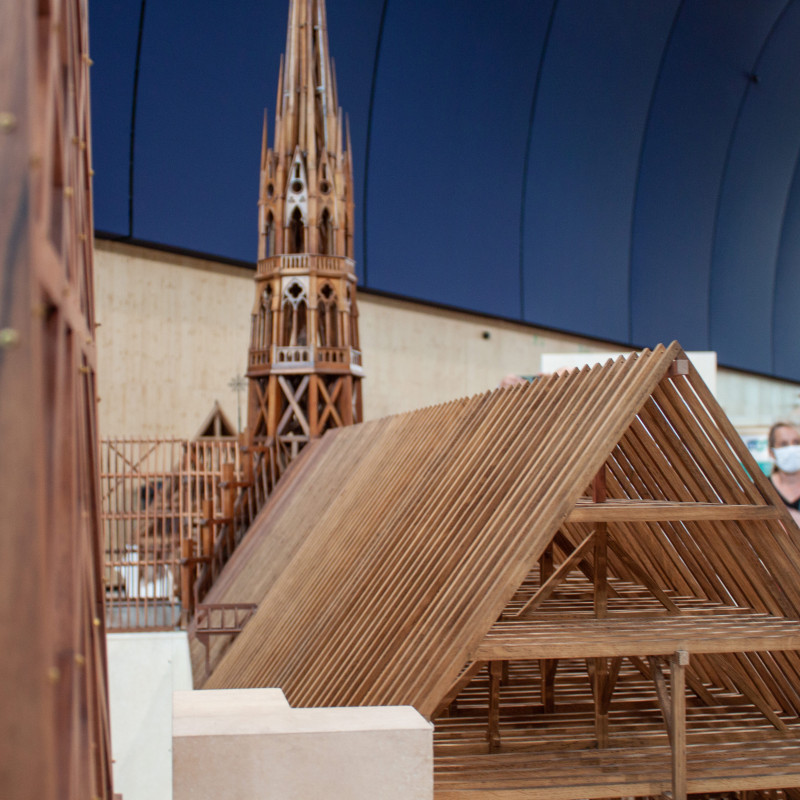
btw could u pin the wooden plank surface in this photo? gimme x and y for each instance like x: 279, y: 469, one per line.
x: 596, y: 638
x: 665, y: 511
x: 617, y: 772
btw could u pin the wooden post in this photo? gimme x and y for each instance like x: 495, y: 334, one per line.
x: 274, y: 406
x: 313, y: 406
x: 678, y: 663
x: 601, y: 571
x: 228, y: 490
x: 600, y: 550
x: 546, y: 564
x: 207, y: 530
x: 228, y: 497
x: 493, y: 733
x: 599, y: 676
x: 208, y: 514
x: 346, y: 401
x: 548, y: 667
x: 187, y: 578
x: 247, y: 459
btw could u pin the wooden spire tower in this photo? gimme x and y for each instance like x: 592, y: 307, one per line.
x: 304, y: 364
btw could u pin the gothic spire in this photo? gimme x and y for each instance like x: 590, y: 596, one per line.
x: 304, y: 363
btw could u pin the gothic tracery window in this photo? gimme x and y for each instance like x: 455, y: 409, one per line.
x: 294, y: 307
x: 269, y: 235
x: 327, y: 317
x: 325, y: 234
x: 265, y: 320
x: 297, y: 231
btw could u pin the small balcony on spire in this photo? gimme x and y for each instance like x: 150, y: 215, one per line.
x: 303, y: 263
x: 293, y: 359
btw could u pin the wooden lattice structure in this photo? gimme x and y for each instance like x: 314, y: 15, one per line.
x: 304, y: 363
x: 586, y: 582
x: 153, y: 493
x: 54, y: 725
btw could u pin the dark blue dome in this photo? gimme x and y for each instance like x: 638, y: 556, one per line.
x: 618, y: 169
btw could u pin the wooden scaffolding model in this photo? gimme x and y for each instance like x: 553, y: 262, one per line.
x: 54, y: 724
x: 586, y: 583
x: 304, y: 363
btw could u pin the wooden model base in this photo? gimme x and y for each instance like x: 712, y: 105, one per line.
x: 517, y: 736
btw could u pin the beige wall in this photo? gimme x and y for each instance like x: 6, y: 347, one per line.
x: 173, y: 332
x: 175, y: 329
x: 417, y: 355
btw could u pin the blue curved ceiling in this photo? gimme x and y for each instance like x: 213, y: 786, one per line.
x: 619, y: 169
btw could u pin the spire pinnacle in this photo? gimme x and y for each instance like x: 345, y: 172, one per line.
x: 304, y: 363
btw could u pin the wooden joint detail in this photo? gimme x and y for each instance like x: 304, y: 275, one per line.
x: 556, y: 578
x: 680, y: 366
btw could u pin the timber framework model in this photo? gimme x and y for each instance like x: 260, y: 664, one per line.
x: 585, y: 582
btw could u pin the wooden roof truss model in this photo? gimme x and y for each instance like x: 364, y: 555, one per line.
x: 586, y: 582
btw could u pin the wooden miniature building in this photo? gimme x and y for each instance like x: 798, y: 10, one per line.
x: 586, y: 583
x: 304, y: 364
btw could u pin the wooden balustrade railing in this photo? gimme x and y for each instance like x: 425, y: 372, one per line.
x: 220, y: 619
x: 173, y: 513
x: 240, y: 502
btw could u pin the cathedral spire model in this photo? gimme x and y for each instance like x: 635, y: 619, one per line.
x: 304, y: 362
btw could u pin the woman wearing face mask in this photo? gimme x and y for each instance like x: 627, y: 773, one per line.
x: 784, y: 447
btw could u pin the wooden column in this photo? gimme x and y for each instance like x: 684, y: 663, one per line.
x: 313, y: 406
x: 274, y: 406
x: 600, y: 549
x: 346, y: 401
x: 599, y: 678
x: 548, y: 667
x: 208, y: 517
x: 600, y: 675
x: 187, y: 578
x: 493, y: 732
x: 247, y: 458
x: 228, y: 490
x: 207, y: 531
x: 677, y: 664
x: 546, y: 564
x: 228, y: 498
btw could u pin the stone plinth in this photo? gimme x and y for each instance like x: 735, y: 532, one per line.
x: 248, y: 744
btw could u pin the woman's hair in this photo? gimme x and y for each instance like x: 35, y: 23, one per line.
x: 771, y: 435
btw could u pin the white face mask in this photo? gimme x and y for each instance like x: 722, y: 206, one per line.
x: 788, y: 458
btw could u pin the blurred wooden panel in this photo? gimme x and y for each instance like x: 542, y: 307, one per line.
x: 54, y: 687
